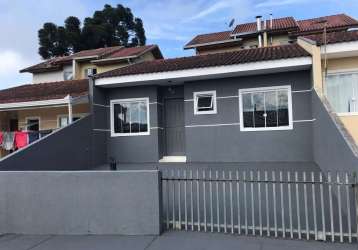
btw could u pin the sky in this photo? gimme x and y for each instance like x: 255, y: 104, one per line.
x: 168, y: 23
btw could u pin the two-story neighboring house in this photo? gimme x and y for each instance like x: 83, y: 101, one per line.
x: 269, y: 32
x: 58, y: 93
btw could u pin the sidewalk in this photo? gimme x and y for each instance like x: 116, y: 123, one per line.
x: 167, y: 241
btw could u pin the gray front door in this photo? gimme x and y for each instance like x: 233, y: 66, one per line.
x: 174, y: 127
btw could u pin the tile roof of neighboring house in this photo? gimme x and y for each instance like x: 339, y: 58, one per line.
x: 334, y: 37
x: 210, y: 60
x: 210, y: 38
x: 334, y: 21
x: 101, y: 53
x: 44, y: 91
x: 285, y: 23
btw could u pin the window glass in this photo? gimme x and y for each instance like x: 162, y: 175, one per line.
x: 205, y: 102
x: 248, y: 110
x: 33, y: 124
x: 130, y: 117
x: 265, y: 109
x: 342, y: 91
x: 67, y: 75
x: 90, y: 72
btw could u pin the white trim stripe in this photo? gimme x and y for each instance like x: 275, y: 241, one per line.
x: 298, y: 121
x: 101, y: 105
x: 302, y: 91
x: 212, y: 125
x: 236, y: 96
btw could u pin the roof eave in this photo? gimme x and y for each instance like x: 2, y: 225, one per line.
x: 251, y: 68
x: 211, y: 43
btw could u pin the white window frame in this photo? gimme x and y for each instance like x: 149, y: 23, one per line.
x: 118, y: 101
x: 78, y: 115
x: 266, y: 89
x: 195, y: 98
x: 33, y: 118
x: 343, y: 72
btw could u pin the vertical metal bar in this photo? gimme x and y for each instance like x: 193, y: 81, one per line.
x: 198, y: 198
x: 349, y: 222
x: 217, y: 202
x: 252, y: 203
x: 314, y: 206
x: 168, y: 197
x: 330, y: 204
x: 173, y: 194
x: 306, y: 205
x: 191, y: 201
x: 282, y: 207
x: 290, y: 202
x: 323, y: 218
x: 185, y: 200
x: 231, y: 204
x: 338, y: 179
x: 204, y: 200
x: 238, y: 202
x: 298, y: 207
x: 259, y: 193
x: 211, y: 201
x: 267, y: 205
x: 179, y: 200
x: 245, y: 203
x: 274, y: 201
x: 224, y: 198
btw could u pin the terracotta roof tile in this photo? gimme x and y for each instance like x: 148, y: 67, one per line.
x: 44, y: 91
x: 210, y: 60
x: 334, y: 21
x: 334, y: 37
x: 128, y: 52
x: 209, y: 38
x: 285, y: 23
x: 101, y: 53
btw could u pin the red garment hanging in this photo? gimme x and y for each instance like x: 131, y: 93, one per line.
x: 21, y: 139
x: 1, y: 138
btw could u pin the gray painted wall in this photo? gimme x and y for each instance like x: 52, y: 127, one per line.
x: 228, y: 143
x: 65, y: 149
x: 121, y: 202
x: 331, y: 150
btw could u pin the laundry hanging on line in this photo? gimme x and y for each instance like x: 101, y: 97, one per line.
x: 19, y: 139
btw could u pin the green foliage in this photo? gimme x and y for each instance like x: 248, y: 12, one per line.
x: 108, y: 27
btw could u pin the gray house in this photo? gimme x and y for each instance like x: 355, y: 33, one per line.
x: 254, y: 106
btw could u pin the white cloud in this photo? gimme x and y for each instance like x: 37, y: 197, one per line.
x: 211, y: 9
x: 272, y: 3
x: 11, y: 62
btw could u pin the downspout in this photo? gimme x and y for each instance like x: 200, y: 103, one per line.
x: 69, y: 107
x: 258, y: 24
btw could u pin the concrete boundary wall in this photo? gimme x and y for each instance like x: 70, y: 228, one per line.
x: 78, y: 203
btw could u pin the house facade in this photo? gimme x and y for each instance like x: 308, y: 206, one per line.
x: 217, y: 108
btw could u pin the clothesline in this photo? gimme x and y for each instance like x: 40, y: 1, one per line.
x: 18, y: 139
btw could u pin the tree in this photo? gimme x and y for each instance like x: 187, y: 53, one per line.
x: 73, y: 33
x: 108, y: 27
x: 52, y: 41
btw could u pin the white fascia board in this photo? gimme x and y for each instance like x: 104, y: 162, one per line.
x: 208, y: 71
x: 212, y: 43
x: 340, y: 48
x: 16, y: 105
